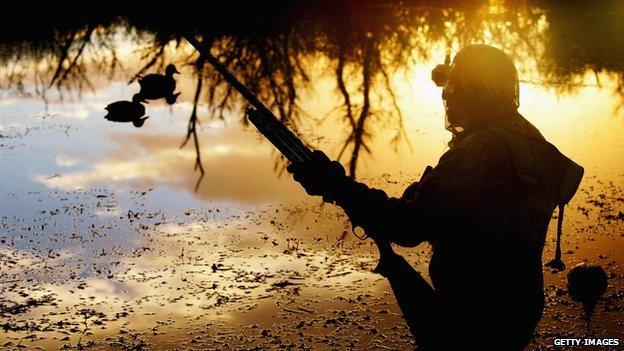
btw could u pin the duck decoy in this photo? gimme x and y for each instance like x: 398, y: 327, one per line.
x: 156, y: 86
x: 127, y: 111
x: 586, y: 283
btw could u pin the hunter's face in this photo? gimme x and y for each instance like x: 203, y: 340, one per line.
x: 458, y: 103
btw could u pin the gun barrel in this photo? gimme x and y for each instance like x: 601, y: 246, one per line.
x: 262, y: 118
x: 227, y: 75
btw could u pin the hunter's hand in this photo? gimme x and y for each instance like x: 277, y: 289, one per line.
x: 319, y: 176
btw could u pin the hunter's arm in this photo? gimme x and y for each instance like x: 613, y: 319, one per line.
x: 457, y: 193
x: 402, y: 221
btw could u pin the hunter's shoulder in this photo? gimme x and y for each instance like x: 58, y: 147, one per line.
x: 480, y: 144
x: 513, y: 129
x: 482, y: 138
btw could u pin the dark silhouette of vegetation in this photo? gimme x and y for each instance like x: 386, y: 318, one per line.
x: 366, y: 42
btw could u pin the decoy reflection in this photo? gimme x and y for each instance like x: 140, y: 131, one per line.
x: 127, y: 111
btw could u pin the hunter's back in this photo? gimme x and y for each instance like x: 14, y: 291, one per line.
x: 502, y: 183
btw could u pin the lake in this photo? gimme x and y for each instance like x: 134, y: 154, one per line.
x: 112, y: 236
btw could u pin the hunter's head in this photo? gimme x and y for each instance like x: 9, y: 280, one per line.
x: 482, y: 85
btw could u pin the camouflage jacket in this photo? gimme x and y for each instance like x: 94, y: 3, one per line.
x: 485, y: 209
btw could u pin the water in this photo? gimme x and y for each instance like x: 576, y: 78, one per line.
x: 122, y: 244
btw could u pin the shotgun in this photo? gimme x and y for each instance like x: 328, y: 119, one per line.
x: 258, y: 114
x: 275, y: 131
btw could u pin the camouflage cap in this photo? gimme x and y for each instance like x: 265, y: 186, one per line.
x: 488, y: 73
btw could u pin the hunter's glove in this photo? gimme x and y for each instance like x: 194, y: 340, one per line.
x: 320, y: 176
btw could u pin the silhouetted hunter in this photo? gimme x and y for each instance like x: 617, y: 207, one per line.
x: 127, y: 111
x: 157, y: 86
x: 485, y: 209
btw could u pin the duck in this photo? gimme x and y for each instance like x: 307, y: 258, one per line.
x: 156, y: 86
x: 127, y: 111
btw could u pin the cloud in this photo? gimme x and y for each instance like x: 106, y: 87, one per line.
x: 70, y: 112
x: 238, y: 167
x: 64, y: 160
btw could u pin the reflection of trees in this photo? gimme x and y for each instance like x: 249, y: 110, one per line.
x: 56, y: 58
x: 585, y: 36
x: 365, y: 42
x: 191, y: 129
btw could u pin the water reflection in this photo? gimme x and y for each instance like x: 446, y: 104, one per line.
x: 147, y: 160
x: 269, y: 48
x: 127, y: 111
x: 349, y: 78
